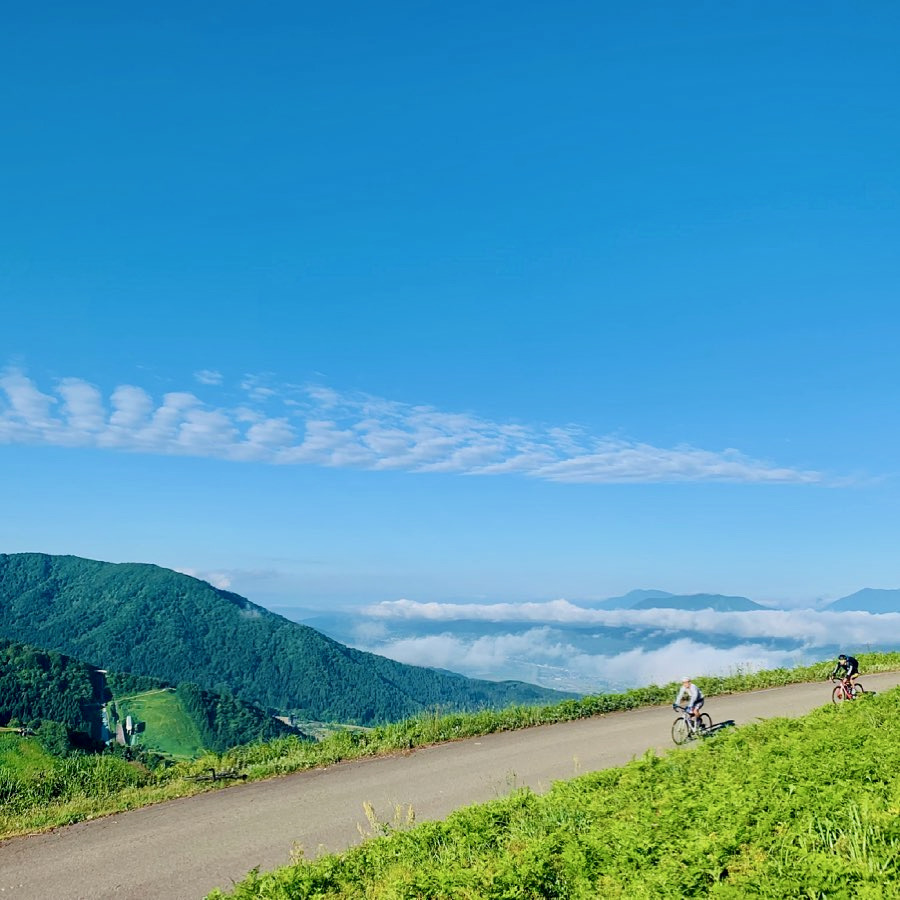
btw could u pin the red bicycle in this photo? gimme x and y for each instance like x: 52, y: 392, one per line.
x: 846, y: 689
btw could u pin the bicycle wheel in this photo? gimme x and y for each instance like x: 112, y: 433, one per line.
x: 838, y: 695
x: 705, y: 721
x: 680, y: 731
x: 858, y: 689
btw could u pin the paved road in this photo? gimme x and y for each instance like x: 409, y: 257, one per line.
x: 182, y: 849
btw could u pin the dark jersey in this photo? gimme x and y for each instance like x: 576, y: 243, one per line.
x: 848, y: 668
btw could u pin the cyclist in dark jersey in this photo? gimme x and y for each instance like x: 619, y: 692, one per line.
x: 847, y: 667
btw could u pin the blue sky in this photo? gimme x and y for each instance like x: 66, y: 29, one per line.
x: 347, y: 304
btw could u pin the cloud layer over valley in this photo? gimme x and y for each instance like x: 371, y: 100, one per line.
x: 560, y: 644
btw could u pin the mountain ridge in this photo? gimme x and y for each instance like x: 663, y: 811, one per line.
x: 873, y: 600
x: 718, y: 602
x: 642, y: 598
x: 148, y: 620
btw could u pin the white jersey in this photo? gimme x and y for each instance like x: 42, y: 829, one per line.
x: 692, y: 692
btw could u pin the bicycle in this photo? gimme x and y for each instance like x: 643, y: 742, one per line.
x: 686, y: 728
x: 846, y: 689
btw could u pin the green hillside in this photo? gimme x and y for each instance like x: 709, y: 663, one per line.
x: 45, y: 685
x: 183, y: 720
x: 40, y: 684
x: 223, y: 721
x: 143, y: 619
x: 165, y: 726
x: 41, y: 784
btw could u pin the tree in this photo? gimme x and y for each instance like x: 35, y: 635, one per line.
x: 54, y: 737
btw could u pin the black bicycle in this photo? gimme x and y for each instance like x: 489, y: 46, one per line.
x: 687, y: 728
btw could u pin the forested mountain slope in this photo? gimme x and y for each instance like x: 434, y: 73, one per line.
x: 40, y: 684
x: 43, y: 684
x: 143, y: 619
x: 223, y: 721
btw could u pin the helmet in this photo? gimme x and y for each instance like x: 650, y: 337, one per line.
x: 842, y: 656
x: 683, y: 680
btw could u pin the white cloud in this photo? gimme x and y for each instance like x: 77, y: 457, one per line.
x: 686, y: 657
x: 320, y: 426
x: 131, y: 408
x: 221, y: 580
x: 805, y: 626
x: 540, y: 656
x: 208, y: 376
x: 271, y: 433
x: 82, y: 406
x: 483, y: 654
x: 29, y: 412
x: 257, y: 388
x: 551, y: 611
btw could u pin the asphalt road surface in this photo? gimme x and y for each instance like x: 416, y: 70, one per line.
x: 181, y: 850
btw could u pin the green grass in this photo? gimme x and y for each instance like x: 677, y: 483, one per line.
x: 287, y: 755
x: 41, y: 791
x: 169, y: 729
x: 24, y: 758
x: 802, y: 808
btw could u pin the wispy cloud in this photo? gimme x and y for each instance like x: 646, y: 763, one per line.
x: 221, y: 580
x: 208, y: 376
x: 315, y: 425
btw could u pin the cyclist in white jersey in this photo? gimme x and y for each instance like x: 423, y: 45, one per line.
x: 694, y: 697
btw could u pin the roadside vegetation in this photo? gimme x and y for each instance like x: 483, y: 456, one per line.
x: 42, y: 787
x: 80, y: 786
x: 785, y: 808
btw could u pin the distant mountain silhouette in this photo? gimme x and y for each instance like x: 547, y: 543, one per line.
x: 147, y: 620
x: 873, y: 600
x: 718, y: 602
x: 655, y: 599
x: 631, y: 599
